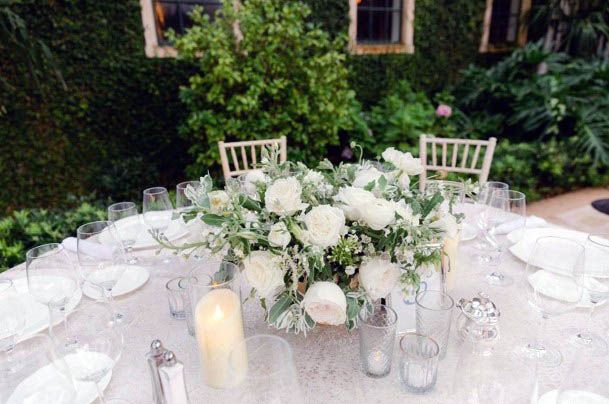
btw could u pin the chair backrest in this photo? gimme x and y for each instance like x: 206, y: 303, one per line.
x: 456, y: 156
x: 239, y: 163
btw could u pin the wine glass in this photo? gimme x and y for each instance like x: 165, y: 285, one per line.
x: 482, y: 200
x: 587, y: 381
x: 51, y: 279
x: 262, y: 368
x: 183, y: 204
x: 551, y: 286
x: 452, y: 191
x: 102, y: 259
x: 595, y: 282
x: 128, y: 224
x: 505, y: 206
x: 34, y: 373
x: 12, y: 316
x: 158, y: 213
x: 95, y: 344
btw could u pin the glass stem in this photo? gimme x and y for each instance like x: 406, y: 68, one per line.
x: 586, y: 333
x: 110, y: 300
x: 539, y: 341
x: 100, y: 394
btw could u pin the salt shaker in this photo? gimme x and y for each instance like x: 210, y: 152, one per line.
x: 479, y: 316
x: 155, y: 358
x: 171, y: 372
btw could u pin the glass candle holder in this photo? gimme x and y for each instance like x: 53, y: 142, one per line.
x: 184, y: 285
x: 377, y: 331
x: 419, y: 362
x: 434, y: 316
x: 175, y: 298
x: 216, y: 308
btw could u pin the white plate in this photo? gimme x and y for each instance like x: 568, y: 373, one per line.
x: 134, y: 226
x: 133, y: 278
x: 468, y: 232
x: 37, y: 314
x: 574, y: 396
x: 549, y: 397
x: 47, y: 381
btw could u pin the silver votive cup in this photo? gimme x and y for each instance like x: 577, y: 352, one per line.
x: 183, y: 284
x: 377, y: 331
x: 434, y: 316
x: 419, y: 362
x: 175, y: 296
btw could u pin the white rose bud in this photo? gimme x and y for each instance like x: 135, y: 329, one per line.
x: 378, y: 276
x: 350, y: 198
x: 283, y: 197
x: 325, y: 224
x: 251, y: 179
x: 366, y: 176
x: 279, y: 236
x: 326, y: 303
x: 378, y: 214
x: 403, y: 161
x: 263, y: 272
x: 218, y: 201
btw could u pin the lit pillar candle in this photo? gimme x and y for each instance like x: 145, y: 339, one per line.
x: 219, y: 329
x: 451, y: 249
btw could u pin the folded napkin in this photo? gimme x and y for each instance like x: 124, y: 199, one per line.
x: 90, y: 248
x: 555, y: 285
x: 531, y: 222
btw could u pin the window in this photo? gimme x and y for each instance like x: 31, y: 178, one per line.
x: 381, y: 26
x: 158, y: 16
x: 503, y: 25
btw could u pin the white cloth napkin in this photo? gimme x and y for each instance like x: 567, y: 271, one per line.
x: 88, y: 247
x: 531, y: 222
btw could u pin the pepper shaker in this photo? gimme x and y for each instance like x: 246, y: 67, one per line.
x: 155, y: 358
x: 171, y: 372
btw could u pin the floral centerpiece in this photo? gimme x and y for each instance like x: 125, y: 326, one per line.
x: 318, y: 244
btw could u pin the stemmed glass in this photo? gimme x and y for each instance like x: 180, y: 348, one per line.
x: 51, y: 278
x: 551, y: 286
x: 595, y: 281
x: 482, y: 200
x: 505, y: 206
x: 12, y: 316
x: 158, y: 213
x: 34, y: 373
x: 95, y: 344
x: 183, y: 204
x: 128, y: 229
x: 102, y: 267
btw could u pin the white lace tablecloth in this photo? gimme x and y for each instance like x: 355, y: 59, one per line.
x: 328, y: 358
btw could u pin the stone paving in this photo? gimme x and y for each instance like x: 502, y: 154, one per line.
x: 574, y: 210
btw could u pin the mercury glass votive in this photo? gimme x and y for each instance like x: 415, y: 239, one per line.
x: 377, y: 325
x: 419, y: 362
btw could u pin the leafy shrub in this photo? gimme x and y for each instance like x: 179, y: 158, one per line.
x: 27, y: 228
x: 263, y: 72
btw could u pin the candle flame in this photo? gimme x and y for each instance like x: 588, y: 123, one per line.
x: 218, y: 314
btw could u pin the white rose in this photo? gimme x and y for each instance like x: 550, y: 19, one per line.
x: 283, y: 197
x: 350, y: 198
x: 262, y: 271
x: 366, y: 176
x: 325, y: 225
x: 403, y: 161
x: 378, y: 277
x: 279, y: 236
x: 447, y: 224
x: 218, y: 201
x: 326, y: 303
x: 377, y: 214
x: 251, y: 179
x: 404, y: 181
x: 314, y: 177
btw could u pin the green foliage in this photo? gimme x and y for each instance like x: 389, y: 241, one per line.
x: 279, y: 76
x: 27, y: 228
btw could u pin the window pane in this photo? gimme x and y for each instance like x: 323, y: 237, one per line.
x: 209, y: 9
x: 175, y: 14
x: 167, y: 17
x: 379, y: 21
x: 504, y: 21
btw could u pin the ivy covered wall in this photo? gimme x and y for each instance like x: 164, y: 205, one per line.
x: 113, y: 131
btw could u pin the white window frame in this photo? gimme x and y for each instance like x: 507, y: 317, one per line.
x: 407, y: 34
x: 152, y: 48
x: 521, y: 36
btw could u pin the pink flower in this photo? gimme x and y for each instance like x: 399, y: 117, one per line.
x: 444, y: 111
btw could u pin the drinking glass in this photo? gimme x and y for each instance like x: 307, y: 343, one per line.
x: 91, y: 345
x: 551, y: 286
x: 505, y: 206
x: 158, y: 214
x: 174, y: 296
x: 453, y: 191
x: 34, y: 373
x: 482, y: 200
x: 51, y: 279
x: 215, y: 300
x: 128, y: 224
x: 183, y: 284
x: 434, y: 315
x: 586, y: 381
x: 262, y: 368
x: 377, y: 331
x: 595, y: 283
x: 12, y: 316
x: 183, y: 204
x: 419, y: 362
x: 102, y: 266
